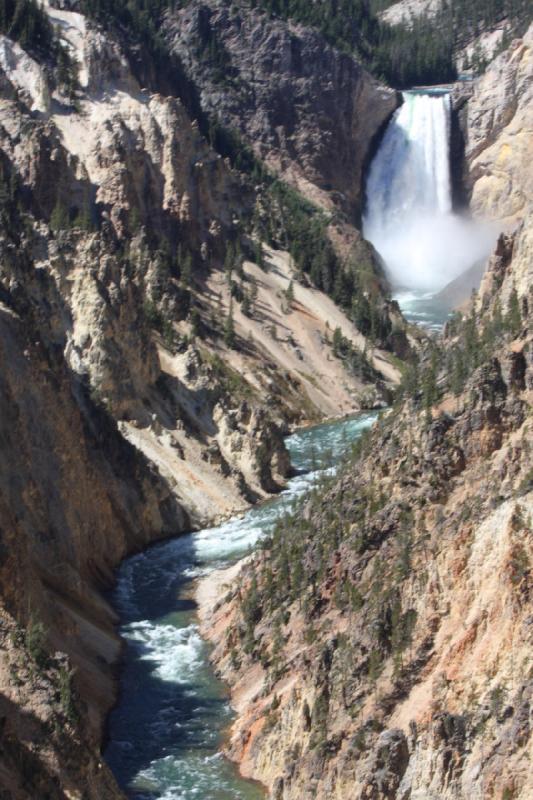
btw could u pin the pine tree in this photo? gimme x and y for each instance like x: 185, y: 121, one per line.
x: 59, y: 219
x: 83, y: 218
x: 429, y: 383
x: 186, y: 270
x: 246, y: 305
x: 239, y: 262
x: 259, y: 255
x: 196, y: 323
x: 513, y: 320
x: 229, y: 263
x: 338, y: 342
x: 289, y: 296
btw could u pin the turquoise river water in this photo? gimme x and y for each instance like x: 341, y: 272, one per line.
x: 166, y: 732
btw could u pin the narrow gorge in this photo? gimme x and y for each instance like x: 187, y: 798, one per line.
x: 166, y: 734
x: 265, y: 400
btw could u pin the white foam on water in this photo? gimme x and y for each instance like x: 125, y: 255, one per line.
x: 195, y: 572
x: 178, y: 655
x: 176, y: 652
x: 231, y: 539
x: 190, y: 777
x: 238, y: 536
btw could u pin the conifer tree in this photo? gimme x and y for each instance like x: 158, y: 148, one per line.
x: 514, y: 316
x: 229, y: 263
x: 59, y: 219
x: 186, y: 270
x: 196, y: 323
x: 289, y: 296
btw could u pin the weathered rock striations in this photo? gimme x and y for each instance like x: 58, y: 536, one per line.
x: 406, y: 11
x: 499, y: 133
x: 499, y: 127
x: 75, y: 498
x: 396, y: 662
x: 308, y: 111
x: 127, y: 416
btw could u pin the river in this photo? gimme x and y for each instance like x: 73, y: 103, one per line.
x: 167, y: 729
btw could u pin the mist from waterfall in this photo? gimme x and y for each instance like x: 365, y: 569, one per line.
x: 409, y: 216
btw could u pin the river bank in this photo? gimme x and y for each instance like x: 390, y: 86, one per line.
x: 168, y: 728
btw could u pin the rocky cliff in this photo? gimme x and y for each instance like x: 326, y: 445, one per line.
x: 75, y: 498
x: 309, y: 112
x: 381, y: 645
x: 499, y: 130
x: 499, y: 125
x: 477, y: 32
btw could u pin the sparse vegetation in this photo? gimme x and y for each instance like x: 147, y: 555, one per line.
x: 230, y: 338
x: 158, y: 321
x: 412, y: 53
x: 355, y: 359
x: 288, y: 221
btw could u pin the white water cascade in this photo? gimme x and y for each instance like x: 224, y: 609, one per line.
x: 409, y: 215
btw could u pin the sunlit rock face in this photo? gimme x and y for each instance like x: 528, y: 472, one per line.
x: 499, y: 128
x: 499, y: 135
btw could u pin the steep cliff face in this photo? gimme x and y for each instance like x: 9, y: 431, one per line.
x: 74, y: 500
x: 381, y: 646
x: 499, y: 120
x: 133, y: 167
x: 310, y: 112
x: 495, y: 117
x: 499, y: 131
x: 477, y: 32
x: 407, y: 10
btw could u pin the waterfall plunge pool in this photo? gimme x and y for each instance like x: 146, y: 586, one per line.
x: 423, y: 309
x: 167, y: 729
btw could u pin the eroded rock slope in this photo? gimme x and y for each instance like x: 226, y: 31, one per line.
x: 310, y: 112
x: 381, y: 647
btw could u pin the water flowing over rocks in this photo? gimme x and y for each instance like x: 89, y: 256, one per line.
x: 121, y: 425
x: 399, y: 668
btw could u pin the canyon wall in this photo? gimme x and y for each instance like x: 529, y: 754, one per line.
x: 499, y: 119
x: 499, y: 129
x: 308, y: 111
x: 381, y: 645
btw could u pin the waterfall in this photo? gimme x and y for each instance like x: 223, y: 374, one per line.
x: 408, y: 215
